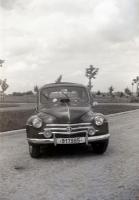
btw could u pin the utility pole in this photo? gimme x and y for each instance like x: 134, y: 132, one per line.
x: 132, y: 88
x: 1, y: 94
x: 3, y: 83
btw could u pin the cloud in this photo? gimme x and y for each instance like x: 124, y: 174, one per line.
x: 13, y: 4
x: 77, y: 73
x: 7, y: 4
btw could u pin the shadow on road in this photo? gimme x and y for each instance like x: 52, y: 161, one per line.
x: 71, y: 151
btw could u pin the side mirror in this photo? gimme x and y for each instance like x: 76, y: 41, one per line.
x: 95, y: 103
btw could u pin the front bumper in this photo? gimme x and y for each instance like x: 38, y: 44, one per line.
x: 53, y: 140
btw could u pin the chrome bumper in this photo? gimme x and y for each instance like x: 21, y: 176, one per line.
x: 53, y: 141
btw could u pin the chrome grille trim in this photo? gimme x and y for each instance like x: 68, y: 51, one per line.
x: 78, y: 124
x: 73, y: 132
x: 63, y: 128
x: 67, y: 133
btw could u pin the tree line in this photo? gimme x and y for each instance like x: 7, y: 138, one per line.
x: 90, y: 72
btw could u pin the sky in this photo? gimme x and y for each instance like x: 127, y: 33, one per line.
x: 39, y: 40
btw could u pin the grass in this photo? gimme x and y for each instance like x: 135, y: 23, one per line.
x: 110, y: 109
x: 20, y: 99
x: 11, y: 120
x: 6, y: 105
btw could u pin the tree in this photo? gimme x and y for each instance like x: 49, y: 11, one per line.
x: 91, y: 73
x: 17, y: 94
x: 98, y: 93
x: 1, y: 62
x: 22, y: 93
x: 29, y: 92
x: 132, y: 87
x: 127, y: 91
x: 121, y: 94
x: 4, y: 85
x: 36, y: 89
x: 0, y: 81
x: 136, y: 81
x: 111, y: 89
x: 58, y: 80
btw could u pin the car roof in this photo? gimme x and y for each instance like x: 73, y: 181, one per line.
x: 62, y: 84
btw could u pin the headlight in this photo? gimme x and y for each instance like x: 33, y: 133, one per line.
x: 99, y: 120
x: 37, y: 122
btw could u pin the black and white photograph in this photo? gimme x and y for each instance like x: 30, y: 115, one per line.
x: 69, y: 99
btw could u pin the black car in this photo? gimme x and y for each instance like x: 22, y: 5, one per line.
x: 65, y: 115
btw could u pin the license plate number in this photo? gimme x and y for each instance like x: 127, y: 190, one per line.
x: 71, y: 140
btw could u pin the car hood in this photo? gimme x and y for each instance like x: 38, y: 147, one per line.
x: 64, y: 114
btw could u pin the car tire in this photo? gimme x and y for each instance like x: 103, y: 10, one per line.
x: 34, y: 151
x: 100, y: 147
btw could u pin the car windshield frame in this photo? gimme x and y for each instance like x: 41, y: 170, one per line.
x: 55, y: 101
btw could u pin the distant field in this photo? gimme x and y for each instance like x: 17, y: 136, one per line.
x: 20, y: 99
x: 108, y: 99
x: 32, y: 99
x: 12, y: 120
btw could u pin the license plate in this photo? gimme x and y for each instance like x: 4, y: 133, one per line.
x: 71, y: 140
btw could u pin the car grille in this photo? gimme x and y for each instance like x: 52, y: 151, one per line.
x: 83, y: 134
x: 69, y: 130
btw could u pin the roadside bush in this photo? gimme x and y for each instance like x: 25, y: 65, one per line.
x: 134, y: 100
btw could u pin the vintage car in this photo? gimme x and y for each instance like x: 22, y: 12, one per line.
x: 64, y: 115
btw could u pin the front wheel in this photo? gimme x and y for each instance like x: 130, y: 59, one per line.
x: 34, y: 151
x: 100, y: 147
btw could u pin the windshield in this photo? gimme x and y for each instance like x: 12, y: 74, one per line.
x: 52, y: 96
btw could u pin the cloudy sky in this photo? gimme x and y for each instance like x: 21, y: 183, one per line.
x: 41, y: 39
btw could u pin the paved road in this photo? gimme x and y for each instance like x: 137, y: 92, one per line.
x: 74, y: 173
